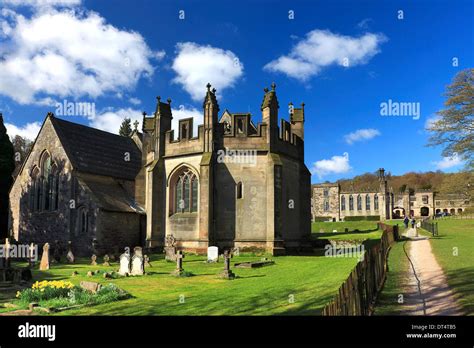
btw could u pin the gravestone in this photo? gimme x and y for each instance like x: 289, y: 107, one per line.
x: 146, y: 261
x: 94, y: 246
x: 106, y: 260
x: 227, y: 274
x: 137, y: 262
x: 94, y: 260
x: 32, y: 254
x: 69, y: 255
x: 44, y: 265
x: 179, y: 263
x: 125, y: 263
x: 213, y: 254
x: 170, y: 248
x: 90, y: 286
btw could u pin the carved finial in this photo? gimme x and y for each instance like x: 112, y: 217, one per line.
x: 158, y: 98
x: 136, y: 123
x: 265, y: 90
x: 169, y: 100
x: 302, y: 105
x: 290, y: 103
x: 144, y: 113
x: 208, y: 86
x: 273, y: 86
x: 50, y: 114
x: 214, y: 90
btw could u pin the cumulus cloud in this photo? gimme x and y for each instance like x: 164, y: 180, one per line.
x: 322, y: 48
x: 110, y: 119
x: 361, y: 135
x: 448, y: 162
x: 135, y: 101
x: 40, y: 3
x: 68, y: 53
x: 334, y: 165
x: 196, y: 65
x: 28, y: 131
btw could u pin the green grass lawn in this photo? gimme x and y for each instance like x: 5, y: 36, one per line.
x: 310, y: 280
x: 457, y: 235
x: 397, y: 276
x: 367, y: 231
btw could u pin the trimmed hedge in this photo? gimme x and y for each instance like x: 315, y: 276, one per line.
x: 362, y: 218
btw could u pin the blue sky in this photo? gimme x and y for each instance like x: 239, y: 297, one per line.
x: 341, y: 58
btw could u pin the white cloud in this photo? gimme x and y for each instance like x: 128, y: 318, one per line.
x: 448, y: 162
x: 111, y: 119
x: 322, y: 48
x: 135, y: 101
x: 334, y: 165
x: 183, y: 112
x: 41, y: 3
x: 360, y: 135
x: 197, y: 65
x: 431, y: 121
x: 68, y: 53
x: 28, y: 131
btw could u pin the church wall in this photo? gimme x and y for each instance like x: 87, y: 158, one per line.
x: 116, y: 231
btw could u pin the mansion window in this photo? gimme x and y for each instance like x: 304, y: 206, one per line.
x: 326, y: 193
x: 351, y: 202
x: 185, y: 192
x: 367, y: 202
x: 343, y: 203
x: 425, y: 199
x: 44, y: 190
x: 376, y: 202
x: 359, y: 202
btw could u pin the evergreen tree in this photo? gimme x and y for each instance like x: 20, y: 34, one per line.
x: 126, y: 128
x: 7, y: 166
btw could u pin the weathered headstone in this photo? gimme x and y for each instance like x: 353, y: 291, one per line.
x: 125, y: 263
x: 170, y: 248
x: 179, y: 263
x: 146, y: 261
x: 94, y: 260
x: 44, y: 265
x: 70, y: 255
x: 137, y: 262
x: 227, y: 274
x: 212, y: 254
x: 106, y: 260
x: 90, y: 286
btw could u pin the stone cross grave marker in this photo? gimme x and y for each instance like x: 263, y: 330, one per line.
x: 94, y: 260
x: 227, y: 274
x: 137, y: 262
x: 179, y: 263
x: 125, y: 263
x: 213, y: 254
x: 44, y: 265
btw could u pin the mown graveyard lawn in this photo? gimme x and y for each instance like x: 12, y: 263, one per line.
x: 295, y: 285
x: 454, y: 250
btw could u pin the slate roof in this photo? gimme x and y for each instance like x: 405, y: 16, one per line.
x: 97, y: 152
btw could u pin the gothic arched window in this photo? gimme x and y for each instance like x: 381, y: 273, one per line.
x: 351, y: 202
x: 359, y: 202
x: 185, y: 192
x: 376, y: 202
x: 367, y: 202
x: 82, y: 222
x: 343, y: 203
x: 47, y: 184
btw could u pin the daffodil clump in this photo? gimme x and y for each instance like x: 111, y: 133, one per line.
x: 45, y: 290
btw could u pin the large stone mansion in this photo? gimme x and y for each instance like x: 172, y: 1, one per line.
x: 330, y: 202
x: 233, y: 184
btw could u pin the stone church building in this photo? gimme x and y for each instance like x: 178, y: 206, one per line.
x: 233, y: 184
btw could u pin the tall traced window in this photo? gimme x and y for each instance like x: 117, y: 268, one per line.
x: 351, y: 202
x: 359, y: 202
x: 186, y: 192
x: 343, y: 203
x: 44, y: 193
x: 82, y: 222
x: 376, y: 202
x: 367, y: 202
